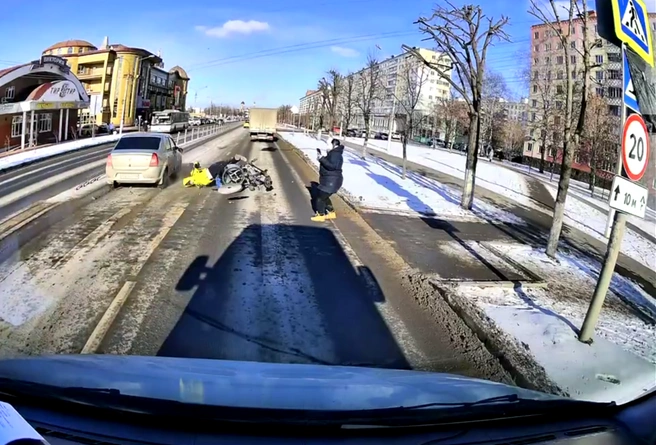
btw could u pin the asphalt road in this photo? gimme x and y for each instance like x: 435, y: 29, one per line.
x: 21, y: 178
x: 243, y: 277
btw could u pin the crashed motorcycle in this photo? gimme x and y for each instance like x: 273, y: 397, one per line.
x: 241, y: 174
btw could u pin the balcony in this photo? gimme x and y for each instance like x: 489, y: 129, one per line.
x: 89, y: 73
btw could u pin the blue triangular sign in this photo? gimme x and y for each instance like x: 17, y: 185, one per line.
x: 630, y: 99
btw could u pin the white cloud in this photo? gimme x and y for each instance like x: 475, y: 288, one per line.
x: 344, y: 52
x: 234, y: 27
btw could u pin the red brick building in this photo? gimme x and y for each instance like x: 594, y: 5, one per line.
x: 38, y: 103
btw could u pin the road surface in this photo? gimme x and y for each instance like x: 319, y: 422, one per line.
x: 193, y: 273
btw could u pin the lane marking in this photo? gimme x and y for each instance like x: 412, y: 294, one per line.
x: 98, y: 334
x: 101, y: 329
x: 50, y: 167
x: 31, y: 189
x: 92, y: 239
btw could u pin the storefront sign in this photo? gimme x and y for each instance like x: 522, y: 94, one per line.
x: 10, y: 108
x: 62, y: 91
x: 45, y: 106
x: 54, y: 60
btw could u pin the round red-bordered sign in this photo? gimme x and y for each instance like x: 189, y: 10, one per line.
x: 635, y: 147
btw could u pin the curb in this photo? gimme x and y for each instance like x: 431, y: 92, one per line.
x: 514, y: 356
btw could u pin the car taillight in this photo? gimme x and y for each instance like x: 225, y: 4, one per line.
x: 109, y: 161
x: 154, y: 160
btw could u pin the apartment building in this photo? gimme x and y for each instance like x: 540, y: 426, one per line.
x: 516, y: 111
x: 400, y: 76
x: 548, y: 77
x: 119, y: 79
x: 310, y: 107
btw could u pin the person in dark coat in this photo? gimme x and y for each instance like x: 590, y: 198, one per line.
x: 330, y: 181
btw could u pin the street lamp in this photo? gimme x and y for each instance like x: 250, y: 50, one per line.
x: 125, y: 94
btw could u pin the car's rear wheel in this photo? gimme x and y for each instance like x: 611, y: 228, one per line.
x: 164, y: 182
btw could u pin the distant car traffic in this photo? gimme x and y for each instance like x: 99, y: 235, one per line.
x: 143, y: 158
x: 247, y: 125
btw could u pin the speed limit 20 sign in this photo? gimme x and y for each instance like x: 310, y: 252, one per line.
x: 635, y: 147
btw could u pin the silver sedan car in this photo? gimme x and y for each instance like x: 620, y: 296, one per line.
x: 143, y: 158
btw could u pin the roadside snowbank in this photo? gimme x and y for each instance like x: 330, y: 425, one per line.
x: 619, y: 365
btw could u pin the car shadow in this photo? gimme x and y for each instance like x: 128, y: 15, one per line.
x: 301, y: 301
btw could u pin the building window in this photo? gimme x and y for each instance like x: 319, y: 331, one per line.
x: 614, y: 92
x: 535, y: 88
x: 547, y: 46
x: 70, y: 50
x: 115, y: 109
x: 572, y: 60
x: 556, y: 120
x: 614, y: 74
x: 572, y: 45
x: 559, y: 60
x: 599, y: 59
x: 559, y: 75
x: 559, y: 104
x: 573, y: 74
x: 16, y: 126
x: 536, y: 61
x: 536, y: 48
x: 559, y: 89
x: 547, y: 60
x: 10, y: 92
x: 45, y: 122
x: 614, y: 110
x: 79, y: 50
x: 599, y: 75
x: 600, y: 91
x: 533, y: 116
x: 534, y: 103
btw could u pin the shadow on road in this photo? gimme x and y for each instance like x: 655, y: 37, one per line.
x: 303, y: 303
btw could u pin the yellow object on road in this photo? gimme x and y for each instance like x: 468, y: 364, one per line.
x: 199, y: 177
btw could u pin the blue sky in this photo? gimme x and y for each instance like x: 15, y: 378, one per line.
x: 221, y: 46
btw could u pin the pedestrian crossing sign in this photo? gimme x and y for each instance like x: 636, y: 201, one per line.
x: 630, y: 99
x: 632, y: 27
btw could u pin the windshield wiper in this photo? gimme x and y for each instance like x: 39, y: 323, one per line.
x: 506, y: 400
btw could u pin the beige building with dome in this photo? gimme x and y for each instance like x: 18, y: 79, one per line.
x: 123, y: 83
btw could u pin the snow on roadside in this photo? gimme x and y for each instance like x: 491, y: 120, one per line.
x: 27, y: 156
x: 621, y: 362
x: 378, y: 185
x: 514, y: 185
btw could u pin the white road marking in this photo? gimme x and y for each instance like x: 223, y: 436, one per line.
x: 101, y: 329
x: 33, y: 188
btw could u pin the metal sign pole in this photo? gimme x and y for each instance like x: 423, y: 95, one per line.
x: 611, y: 211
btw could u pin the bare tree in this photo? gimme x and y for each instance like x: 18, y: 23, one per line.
x: 411, y: 79
x: 368, y: 92
x: 495, y: 91
x: 331, y: 88
x: 599, y: 138
x: 562, y: 30
x: 348, y: 99
x: 284, y: 114
x: 464, y: 34
x: 513, y: 134
x: 453, y: 114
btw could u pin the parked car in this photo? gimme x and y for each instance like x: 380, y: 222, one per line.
x: 396, y: 137
x: 143, y: 158
x: 351, y: 132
